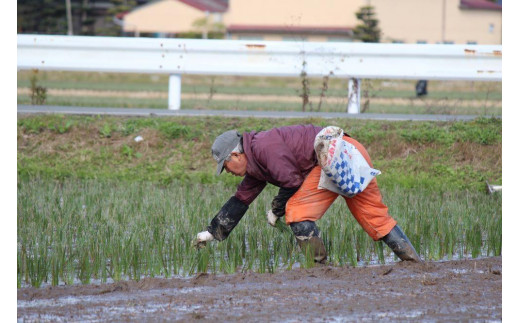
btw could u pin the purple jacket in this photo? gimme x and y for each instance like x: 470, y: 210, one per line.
x: 281, y: 156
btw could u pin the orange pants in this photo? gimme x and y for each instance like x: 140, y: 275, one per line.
x: 310, y: 203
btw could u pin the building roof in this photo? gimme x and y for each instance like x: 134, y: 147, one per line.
x: 121, y: 15
x: 213, y: 6
x: 480, y: 4
x: 289, y: 29
x: 207, y: 5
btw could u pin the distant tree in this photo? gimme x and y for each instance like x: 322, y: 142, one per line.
x: 205, y: 26
x: 86, y: 18
x: 119, y: 6
x: 41, y: 17
x: 368, y: 31
x: 50, y: 17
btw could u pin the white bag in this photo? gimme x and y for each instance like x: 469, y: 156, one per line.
x: 344, y: 170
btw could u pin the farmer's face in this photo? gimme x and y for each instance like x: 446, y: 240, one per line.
x: 236, y: 165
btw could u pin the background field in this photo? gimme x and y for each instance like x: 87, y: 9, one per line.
x: 94, y: 204
x: 260, y: 93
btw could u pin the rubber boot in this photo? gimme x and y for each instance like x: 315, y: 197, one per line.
x: 308, y: 236
x: 400, y: 245
x: 317, y: 247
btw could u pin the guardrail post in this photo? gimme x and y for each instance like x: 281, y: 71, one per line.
x: 354, y: 96
x: 174, y: 92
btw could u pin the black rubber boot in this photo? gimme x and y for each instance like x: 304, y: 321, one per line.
x: 317, y: 247
x: 308, y: 236
x: 400, y: 245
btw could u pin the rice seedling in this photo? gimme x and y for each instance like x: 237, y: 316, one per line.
x: 96, y: 230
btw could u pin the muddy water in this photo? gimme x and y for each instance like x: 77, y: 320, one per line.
x: 462, y: 290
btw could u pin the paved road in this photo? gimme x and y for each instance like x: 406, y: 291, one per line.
x: 232, y: 113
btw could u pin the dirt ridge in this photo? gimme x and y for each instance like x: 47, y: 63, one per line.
x: 264, y: 98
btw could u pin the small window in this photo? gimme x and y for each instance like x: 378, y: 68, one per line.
x: 491, y: 28
x: 422, y: 42
x: 395, y: 41
x: 471, y: 42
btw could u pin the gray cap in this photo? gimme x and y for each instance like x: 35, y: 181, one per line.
x: 223, y: 146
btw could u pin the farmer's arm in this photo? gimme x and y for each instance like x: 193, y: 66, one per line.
x: 284, y: 168
x: 280, y: 200
x: 235, y: 208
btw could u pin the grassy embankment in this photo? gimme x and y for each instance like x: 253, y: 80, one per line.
x: 260, y: 93
x: 95, y: 204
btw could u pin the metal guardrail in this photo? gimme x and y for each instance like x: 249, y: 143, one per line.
x: 176, y: 57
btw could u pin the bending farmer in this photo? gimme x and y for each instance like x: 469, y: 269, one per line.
x: 285, y: 157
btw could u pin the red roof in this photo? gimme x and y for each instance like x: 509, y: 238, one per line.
x: 289, y: 29
x: 480, y: 4
x: 207, y: 5
x: 121, y: 15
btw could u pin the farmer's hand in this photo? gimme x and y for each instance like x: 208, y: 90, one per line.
x: 202, y: 238
x: 271, y: 218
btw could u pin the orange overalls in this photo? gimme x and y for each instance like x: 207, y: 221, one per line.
x: 310, y: 203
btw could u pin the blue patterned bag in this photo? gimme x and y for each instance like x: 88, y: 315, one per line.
x: 344, y: 169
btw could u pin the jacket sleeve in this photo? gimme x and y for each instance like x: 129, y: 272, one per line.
x: 235, y: 208
x: 227, y: 218
x: 249, y: 189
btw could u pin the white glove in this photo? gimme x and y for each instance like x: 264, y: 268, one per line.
x: 271, y: 218
x: 202, y: 238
